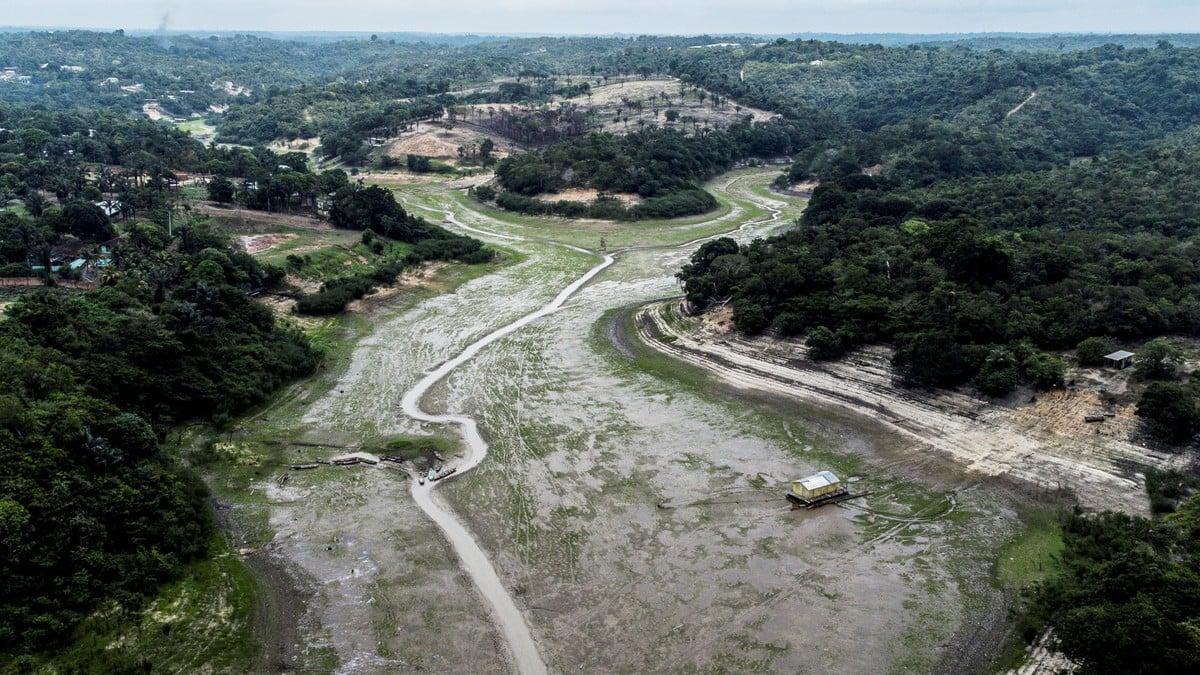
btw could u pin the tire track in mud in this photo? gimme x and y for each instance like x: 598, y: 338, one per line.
x: 473, y: 560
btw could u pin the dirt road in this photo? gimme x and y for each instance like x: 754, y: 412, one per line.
x: 474, y: 561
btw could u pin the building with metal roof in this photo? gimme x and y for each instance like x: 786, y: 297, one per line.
x: 1119, y: 359
x: 817, y: 485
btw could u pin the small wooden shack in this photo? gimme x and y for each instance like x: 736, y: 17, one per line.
x: 1120, y: 359
x: 817, y: 486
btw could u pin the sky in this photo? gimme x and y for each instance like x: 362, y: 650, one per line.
x: 616, y: 16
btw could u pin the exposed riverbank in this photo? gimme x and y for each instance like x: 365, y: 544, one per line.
x: 1102, y: 472
x: 583, y: 446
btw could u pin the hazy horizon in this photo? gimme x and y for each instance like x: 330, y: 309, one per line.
x: 604, y: 17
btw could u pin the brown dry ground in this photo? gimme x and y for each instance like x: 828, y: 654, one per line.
x: 155, y: 112
x: 257, y: 243
x: 305, y: 145
x: 587, y: 195
x: 441, y: 140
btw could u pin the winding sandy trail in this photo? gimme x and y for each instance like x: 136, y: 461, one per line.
x: 1020, y: 105
x: 475, y: 562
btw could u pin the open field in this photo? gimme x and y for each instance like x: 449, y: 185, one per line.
x: 199, y: 129
x: 624, y: 496
x: 236, y: 219
x: 736, y: 193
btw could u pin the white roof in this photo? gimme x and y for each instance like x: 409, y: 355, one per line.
x: 819, y: 480
x: 1119, y: 355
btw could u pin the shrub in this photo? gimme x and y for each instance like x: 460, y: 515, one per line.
x: 749, y: 317
x: 1158, y: 360
x: 1169, y: 411
x: 1045, y: 371
x: 1091, y: 352
x: 999, y: 374
x: 484, y: 193
x: 824, y: 344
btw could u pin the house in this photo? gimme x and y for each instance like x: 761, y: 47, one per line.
x: 110, y: 207
x: 1119, y: 359
x: 816, y: 486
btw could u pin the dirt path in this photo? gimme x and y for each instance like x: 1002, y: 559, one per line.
x: 251, y: 218
x: 1103, y: 472
x: 474, y: 561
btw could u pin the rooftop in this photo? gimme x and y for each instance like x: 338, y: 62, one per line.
x: 819, y: 480
x: 1119, y: 355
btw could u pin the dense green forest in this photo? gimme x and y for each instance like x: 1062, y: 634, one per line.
x: 664, y: 166
x: 984, y: 239
x: 1128, y: 600
x: 978, y: 270
x: 92, y: 509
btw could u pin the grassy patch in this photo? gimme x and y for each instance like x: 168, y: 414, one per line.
x: 16, y: 206
x: 419, y: 449
x: 1033, y: 554
x: 731, y: 190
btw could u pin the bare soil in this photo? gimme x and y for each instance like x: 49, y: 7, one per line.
x: 635, y: 517
x: 251, y: 220
x: 587, y: 195
x: 442, y: 140
x: 257, y: 243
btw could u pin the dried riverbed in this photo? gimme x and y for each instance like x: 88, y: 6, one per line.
x: 631, y: 508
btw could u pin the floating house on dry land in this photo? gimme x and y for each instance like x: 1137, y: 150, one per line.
x: 1119, y: 359
x: 817, y: 487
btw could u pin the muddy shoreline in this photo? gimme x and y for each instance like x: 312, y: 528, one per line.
x: 280, y: 601
x: 1104, y: 473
